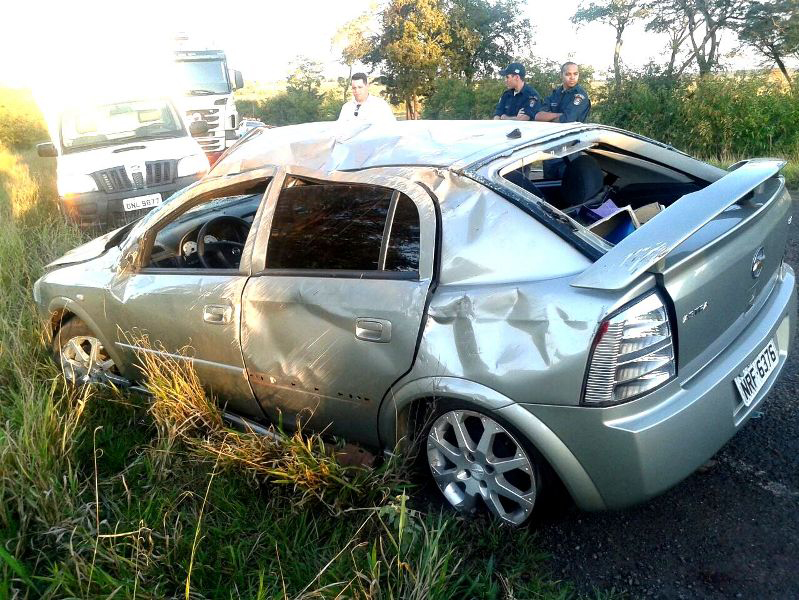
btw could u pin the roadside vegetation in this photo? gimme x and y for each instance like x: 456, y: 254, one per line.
x: 105, y: 493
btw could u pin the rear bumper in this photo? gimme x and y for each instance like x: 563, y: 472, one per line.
x: 99, y: 209
x: 639, y: 449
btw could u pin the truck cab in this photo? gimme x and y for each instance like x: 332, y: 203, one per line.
x: 208, y: 86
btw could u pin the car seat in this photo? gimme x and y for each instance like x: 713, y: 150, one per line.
x: 583, y: 181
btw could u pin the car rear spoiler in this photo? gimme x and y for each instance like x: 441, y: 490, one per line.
x: 653, y: 241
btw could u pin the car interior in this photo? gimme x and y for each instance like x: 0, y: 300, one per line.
x: 210, y: 235
x: 607, y: 190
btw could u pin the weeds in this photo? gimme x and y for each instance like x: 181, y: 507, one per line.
x: 105, y: 494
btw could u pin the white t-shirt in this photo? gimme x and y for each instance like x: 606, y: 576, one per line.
x: 371, y: 110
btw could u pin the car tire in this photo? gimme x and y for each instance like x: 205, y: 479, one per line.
x: 479, y: 460
x: 81, y: 356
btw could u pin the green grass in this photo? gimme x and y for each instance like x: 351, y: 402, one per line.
x: 790, y: 171
x: 109, y: 494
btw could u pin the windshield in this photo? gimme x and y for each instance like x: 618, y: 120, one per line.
x: 203, y: 77
x: 110, y: 124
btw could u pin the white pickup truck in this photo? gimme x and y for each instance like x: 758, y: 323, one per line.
x: 116, y: 161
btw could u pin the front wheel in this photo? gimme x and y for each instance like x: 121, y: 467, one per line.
x: 82, y: 357
x: 477, y: 460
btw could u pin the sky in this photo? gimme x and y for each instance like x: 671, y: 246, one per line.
x: 55, y: 45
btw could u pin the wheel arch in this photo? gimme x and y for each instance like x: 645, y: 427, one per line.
x: 63, y: 309
x: 401, y: 404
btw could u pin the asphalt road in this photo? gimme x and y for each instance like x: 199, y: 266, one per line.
x: 731, y: 530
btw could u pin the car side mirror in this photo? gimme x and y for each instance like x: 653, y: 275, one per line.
x: 198, y: 128
x: 238, y: 80
x: 46, y: 150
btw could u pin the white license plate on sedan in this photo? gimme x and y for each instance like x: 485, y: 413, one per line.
x: 753, y: 377
x: 140, y: 202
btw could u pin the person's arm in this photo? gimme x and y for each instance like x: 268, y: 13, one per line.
x: 576, y: 112
x: 531, y: 108
x: 498, y: 110
x: 387, y: 113
x: 341, y: 112
x: 545, y: 115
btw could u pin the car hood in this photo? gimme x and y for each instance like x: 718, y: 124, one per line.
x: 93, y: 249
x: 133, y: 152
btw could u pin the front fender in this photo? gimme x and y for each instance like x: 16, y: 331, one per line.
x: 62, y: 303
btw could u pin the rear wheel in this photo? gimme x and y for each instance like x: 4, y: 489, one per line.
x: 82, y: 357
x: 477, y: 460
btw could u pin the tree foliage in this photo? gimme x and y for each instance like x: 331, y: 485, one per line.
x: 697, y: 24
x: 618, y: 14
x: 771, y: 28
x: 484, y: 36
x: 410, y: 49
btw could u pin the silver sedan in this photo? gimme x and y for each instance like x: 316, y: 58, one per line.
x: 422, y: 285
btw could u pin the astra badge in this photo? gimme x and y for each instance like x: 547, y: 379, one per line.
x: 691, y: 314
x: 757, y: 262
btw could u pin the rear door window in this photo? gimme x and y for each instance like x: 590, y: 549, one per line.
x: 343, y: 227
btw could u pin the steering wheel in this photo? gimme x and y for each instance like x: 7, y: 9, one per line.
x: 227, y: 252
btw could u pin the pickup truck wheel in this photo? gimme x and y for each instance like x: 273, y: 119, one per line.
x: 474, y: 460
x: 82, y: 357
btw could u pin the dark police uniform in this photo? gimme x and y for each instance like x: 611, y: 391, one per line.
x: 574, y: 104
x: 511, y: 102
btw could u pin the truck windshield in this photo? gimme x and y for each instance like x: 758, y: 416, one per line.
x: 202, y: 77
x: 110, y: 124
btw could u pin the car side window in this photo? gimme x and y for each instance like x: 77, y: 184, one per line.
x: 341, y: 227
x: 403, y: 242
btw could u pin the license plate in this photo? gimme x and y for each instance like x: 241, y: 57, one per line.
x: 140, y: 202
x: 752, y: 378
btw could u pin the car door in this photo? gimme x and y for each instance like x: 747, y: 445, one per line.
x: 333, y: 317
x: 192, y: 313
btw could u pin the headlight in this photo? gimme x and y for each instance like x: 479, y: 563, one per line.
x: 191, y: 165
x: 632, y: 354
x: 75, y: 184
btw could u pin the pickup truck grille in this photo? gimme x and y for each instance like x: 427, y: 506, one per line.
x: 157, y: 172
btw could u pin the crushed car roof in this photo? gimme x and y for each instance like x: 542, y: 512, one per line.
x: 334, y: 146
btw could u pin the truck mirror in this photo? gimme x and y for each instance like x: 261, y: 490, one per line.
x: 198, y: 128
x: 239, y: 80
x: 46, y: 149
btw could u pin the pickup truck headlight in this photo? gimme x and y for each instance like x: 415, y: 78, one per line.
x: 75, y: 184
x: 632, y: 354
x: 191, y: 165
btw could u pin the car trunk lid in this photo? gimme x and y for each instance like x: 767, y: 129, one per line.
x: 715, y: 251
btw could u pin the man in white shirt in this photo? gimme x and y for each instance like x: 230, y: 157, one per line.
x: 365, y: 107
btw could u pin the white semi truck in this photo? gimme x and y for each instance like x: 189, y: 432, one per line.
x: 208, y: 84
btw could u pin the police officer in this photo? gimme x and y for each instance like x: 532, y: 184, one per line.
x: 568, y: 102
x: 519, y: 102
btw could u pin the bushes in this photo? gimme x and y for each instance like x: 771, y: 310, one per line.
x: 293, y: 106
x: 713, y: 117
x: 21, y: 122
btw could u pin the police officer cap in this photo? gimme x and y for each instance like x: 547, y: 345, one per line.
x: 514, y: 69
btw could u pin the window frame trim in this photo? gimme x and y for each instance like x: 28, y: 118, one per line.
x: 396, y: 182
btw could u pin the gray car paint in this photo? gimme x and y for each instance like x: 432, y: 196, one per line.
x: 506, y: 328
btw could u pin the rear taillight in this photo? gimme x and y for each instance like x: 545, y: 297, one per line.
x: 632, y: 354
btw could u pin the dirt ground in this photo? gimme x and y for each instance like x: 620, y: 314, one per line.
x: 731, y: 530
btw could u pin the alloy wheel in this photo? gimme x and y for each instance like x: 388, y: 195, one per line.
x: 476, y: 460
x: 84, y: 360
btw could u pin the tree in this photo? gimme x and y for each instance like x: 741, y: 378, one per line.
x: 616, y: 13
x: 305, y: 76
x: 353, y: 45
x: 772, y: 30
x: 484, y: 36
x: 699, y: 22
x: 410, y: 50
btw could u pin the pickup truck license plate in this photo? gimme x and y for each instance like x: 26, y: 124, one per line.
x: 139, y: 202
x: 753, y: 377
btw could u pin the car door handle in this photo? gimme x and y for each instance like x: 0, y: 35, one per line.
x: 373, y: 330
x: 217, y: 313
